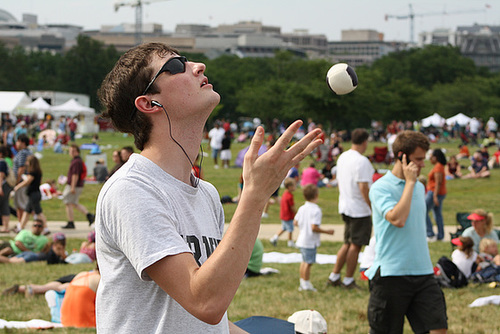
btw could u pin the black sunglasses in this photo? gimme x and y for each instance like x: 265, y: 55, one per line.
x: 37, y: 225
x: 174, y: 65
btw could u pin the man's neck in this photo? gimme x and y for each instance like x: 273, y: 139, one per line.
x: 397, y: 170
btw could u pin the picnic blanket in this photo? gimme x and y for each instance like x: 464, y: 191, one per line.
x: 33, y: 323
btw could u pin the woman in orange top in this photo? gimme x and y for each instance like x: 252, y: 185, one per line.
x: 78, y: 306
x: 436, y: 193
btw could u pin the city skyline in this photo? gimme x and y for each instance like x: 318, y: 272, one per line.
x: 317, y: 16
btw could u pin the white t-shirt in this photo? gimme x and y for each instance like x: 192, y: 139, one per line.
x: 143, y: 215
x: 307, y: 215
x: 353, y: 167
x: 463, y: 263
x: 216, y: 136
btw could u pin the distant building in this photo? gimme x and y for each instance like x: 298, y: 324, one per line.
x: 34, y: 37
x: 361, y: 47
x: 481, y: 43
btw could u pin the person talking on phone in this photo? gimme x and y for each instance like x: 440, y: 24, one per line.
x: 401, y: 278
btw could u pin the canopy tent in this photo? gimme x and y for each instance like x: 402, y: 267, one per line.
x: 72, y: 108
x: 10, y: 102
x: 434, y: 120
x: 459, y: 118
x: 39, y: 106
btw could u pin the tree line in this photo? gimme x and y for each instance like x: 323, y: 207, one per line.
x: 407, y: 85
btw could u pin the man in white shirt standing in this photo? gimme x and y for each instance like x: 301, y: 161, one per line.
x: 216, y: 136
x: 354, y: 175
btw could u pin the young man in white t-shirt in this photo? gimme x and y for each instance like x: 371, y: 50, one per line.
x: 165, y: 267
x: 354, y: 175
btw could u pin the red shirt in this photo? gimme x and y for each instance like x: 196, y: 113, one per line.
x: 286, y: 211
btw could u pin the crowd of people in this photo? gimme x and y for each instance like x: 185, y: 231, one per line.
x: 159, y: 226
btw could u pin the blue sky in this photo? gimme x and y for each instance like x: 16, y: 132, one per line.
x: 327, y: 17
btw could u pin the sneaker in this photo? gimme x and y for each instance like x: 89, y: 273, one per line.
x: 431, y: 239
x: 46, y: 231
x: 274, y: 241
x: 69, y: 225
x: 307, y: 288
x: 11, y: 291
x: 291, y: 244
x: 331, y: 283
x: 90, y: 218
x: 351, y: 286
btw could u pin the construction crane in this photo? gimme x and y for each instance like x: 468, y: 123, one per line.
x: 411, y: 15
x: 138, y: 14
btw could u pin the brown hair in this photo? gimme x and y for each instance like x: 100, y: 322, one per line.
x: 359, y: 136
x: 126, y: 81
x: 310, y: 192
x: 467, y: 245
x: 408, y: 141
x: 289, y: 182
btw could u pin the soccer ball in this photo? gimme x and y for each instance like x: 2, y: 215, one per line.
x: 341, y: 79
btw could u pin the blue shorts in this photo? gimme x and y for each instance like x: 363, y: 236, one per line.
x: 287, y: 225
x: 215, y: 152
x: 31, y: 256
x: 308, y: 255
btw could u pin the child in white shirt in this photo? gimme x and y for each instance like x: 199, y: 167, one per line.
x: 308, y: 220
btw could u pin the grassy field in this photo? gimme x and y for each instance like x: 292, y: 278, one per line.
x: 275, y: 295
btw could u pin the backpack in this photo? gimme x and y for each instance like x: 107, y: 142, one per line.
x: 83, y: 175
x: 448, y: 275
x: 10, y: 178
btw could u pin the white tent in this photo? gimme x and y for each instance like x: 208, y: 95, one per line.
x: 459, y: 118
x: 10, y: 102
x: 72, y: 108
x: 39, y: 106
x: 435, y: 120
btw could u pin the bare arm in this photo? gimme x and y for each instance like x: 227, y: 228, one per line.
x: 439, y: 181
x: 233, y: 329
x: 20, y: 172
x: 25, y: 182
x: 207, y: 291
x: 21, y: 246
x: 317, y: 229
x: 74, y: 181
x: 364, y: 189
x: 399, y: 214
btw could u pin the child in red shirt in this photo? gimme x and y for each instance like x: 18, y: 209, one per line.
x: 287, y: 212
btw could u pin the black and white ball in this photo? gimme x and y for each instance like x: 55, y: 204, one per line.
x: 341, y: 79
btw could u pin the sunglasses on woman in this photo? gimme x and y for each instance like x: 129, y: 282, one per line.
x: 174, y: 65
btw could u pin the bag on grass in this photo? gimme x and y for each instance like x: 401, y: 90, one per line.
x: 448, y: 275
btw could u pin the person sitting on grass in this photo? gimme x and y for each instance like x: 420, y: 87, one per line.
x: 57, y: 252
x: 78, y: 306
x: 25, y: 241
x: 464, y: 256
x: 308, y: 220
x: 479, y: 167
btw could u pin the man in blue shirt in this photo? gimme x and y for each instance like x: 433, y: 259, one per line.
x: 401, y: 277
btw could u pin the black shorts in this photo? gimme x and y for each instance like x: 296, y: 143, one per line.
x: 419, y: 298
x: 357, y: 231
x: 34, y: 203
x: 65, y: 279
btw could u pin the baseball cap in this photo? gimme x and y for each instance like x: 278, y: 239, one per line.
x: 475, y: 216
x: 58, y: 236
x: 456, y: 241
x: 308, y: 322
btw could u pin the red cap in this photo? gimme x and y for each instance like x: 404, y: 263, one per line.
x: 456, y: 242
x: 475, y: 216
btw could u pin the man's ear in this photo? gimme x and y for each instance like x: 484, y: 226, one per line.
x: 144, y: 105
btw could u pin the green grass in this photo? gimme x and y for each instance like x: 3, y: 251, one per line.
x: 275, y: 295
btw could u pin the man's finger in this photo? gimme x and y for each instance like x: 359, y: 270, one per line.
x: 286, y: 137
x: 255, y: 144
